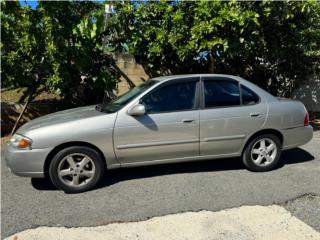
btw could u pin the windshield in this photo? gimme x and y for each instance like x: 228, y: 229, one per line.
x: 116, y: 104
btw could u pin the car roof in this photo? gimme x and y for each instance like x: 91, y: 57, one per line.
x: 171, y: 77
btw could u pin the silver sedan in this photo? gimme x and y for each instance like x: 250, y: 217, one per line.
x: 164, y: 120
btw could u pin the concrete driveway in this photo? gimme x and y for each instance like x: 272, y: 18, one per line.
x: 141, y: 193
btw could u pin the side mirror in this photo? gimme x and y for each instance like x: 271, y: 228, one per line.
x: 137, y: 110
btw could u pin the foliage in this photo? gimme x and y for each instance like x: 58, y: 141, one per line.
x: 274, y: 44
x: 59, y: 47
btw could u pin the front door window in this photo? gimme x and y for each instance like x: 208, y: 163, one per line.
x: 170, y: 98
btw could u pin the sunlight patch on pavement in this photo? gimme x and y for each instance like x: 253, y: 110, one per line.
x: 248, y: 222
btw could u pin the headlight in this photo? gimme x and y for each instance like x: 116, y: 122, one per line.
x: 20, y: 141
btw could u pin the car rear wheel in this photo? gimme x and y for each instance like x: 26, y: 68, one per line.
x: 262, y: 153
x: 76, y: 169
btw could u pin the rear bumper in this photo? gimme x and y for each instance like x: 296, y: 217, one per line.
x: 26, y: 163
x: 295, y: 137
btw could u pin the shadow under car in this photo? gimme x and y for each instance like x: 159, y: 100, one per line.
x: 292, y: 156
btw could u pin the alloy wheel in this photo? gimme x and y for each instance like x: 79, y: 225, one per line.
x: 264, y: 152
x: 76, y: 169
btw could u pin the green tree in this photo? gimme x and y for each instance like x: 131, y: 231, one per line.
x: 57, y: 47
x: 274, y: 44
x: 84, y: 69
x: 23, y: 49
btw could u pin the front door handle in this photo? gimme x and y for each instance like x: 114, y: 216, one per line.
x: 255, y: 114
x: 187, y: 120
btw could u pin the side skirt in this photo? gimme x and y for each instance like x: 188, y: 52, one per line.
x: 174, y: 160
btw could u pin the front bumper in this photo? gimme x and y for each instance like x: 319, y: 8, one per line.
x: 297, y: 136
x: 26, y: 163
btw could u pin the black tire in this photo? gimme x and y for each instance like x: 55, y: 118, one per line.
x: 247, y: 157
x: 97, y: 172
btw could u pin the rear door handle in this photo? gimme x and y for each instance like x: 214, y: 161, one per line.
x: 255, y: 114
x: 187, y: 120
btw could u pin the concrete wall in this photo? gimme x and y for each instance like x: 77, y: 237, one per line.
x: 133, y: 71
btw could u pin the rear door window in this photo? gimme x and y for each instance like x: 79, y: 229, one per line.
x: 221, y: 93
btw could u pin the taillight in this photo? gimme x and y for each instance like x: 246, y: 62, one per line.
x: 306, y: 119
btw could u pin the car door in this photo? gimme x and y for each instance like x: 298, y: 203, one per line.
x: 169, y: 129
x: 230, y: 113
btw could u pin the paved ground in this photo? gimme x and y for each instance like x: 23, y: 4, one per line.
x: 306, y: 208
x: 244, y: 223
x: 141, y: 193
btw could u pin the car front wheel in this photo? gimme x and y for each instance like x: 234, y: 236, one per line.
x: 76, y: 169
x: 262, y: 153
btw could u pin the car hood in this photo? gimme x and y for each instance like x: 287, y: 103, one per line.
x: 61, y: 117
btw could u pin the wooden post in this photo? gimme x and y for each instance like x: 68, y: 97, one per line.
x: 30, y: 98
x: 20, y: 116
